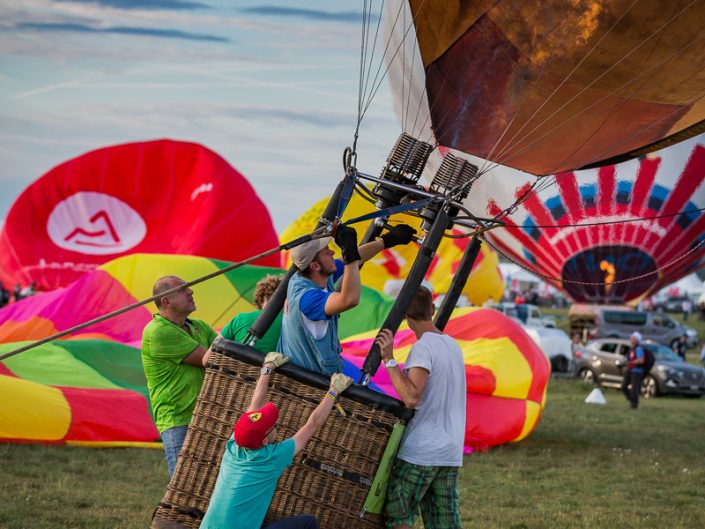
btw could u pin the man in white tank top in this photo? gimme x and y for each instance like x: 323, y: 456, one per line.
x: 425, y: 474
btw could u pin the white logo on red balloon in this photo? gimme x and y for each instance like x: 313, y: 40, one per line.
x: 95, y: 224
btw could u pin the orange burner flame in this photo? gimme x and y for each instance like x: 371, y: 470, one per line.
x: 610, y: 272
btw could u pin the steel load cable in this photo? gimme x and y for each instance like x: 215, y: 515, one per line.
x: 607, y: 222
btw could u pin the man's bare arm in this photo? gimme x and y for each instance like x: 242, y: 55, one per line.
x: 195, y: 357
x: 259, y: 396
x: 338, y: 384
x: 411, y: 387
x: 207, y: 356
x: 370, y: 249
x: 349, y: 295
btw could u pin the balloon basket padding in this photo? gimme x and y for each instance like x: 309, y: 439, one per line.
x: 329, y: 479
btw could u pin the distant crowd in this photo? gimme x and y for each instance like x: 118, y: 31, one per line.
x: 7, y: 296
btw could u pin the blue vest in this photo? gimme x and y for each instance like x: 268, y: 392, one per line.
x: 634, y: 353
x: 296, y: 342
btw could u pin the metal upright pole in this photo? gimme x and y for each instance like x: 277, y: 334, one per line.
x: 373, y: 231
x: 458, y: 284
x: 401, y: 304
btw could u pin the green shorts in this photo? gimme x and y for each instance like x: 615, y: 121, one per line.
x: 433, y: 489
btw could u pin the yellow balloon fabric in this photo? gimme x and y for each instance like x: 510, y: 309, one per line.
x: 138, y: 273
x: 32, y: 411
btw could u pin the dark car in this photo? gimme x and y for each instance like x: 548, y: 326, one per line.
x: 674, y: 304
x: 602, y: 362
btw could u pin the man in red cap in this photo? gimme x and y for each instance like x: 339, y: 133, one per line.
x: 253, y: 461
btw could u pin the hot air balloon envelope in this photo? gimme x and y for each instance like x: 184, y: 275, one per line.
x: 548, y: 86
x: 159, y: 196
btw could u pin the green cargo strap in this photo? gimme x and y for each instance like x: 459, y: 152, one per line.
x: 375, y: 499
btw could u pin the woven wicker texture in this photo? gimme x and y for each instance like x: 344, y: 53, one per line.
x: 329, y: 479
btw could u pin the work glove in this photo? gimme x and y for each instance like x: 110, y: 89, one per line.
x: 346, y: 239
x: 399, y: 234
x: 339, y: 383
x: 276, y: 359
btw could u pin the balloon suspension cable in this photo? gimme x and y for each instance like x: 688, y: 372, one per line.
x: 323, y: 231
x: 350, y: 159
x: 608, y: 222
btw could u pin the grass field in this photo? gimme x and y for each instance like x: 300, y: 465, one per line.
x: 585, y: 466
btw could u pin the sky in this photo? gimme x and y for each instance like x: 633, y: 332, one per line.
x: 271, y: 87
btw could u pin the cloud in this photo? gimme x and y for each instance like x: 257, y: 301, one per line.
x: 142, y: 4
x: 273, y: 146
x: 255, y: 38
x: 142, y: 32
x: 48, y: 88
x: 311, y: 14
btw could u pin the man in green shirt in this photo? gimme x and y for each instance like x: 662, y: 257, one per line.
x: 237, y: 329
x: 173, y: 347
x: 240, y: 325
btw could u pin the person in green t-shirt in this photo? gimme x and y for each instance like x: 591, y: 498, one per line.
x: 253, y: 460
x: 237, y: 329
x: 173, y: 347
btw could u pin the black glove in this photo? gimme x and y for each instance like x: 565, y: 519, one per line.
x: 399, y: 234
x: 346, y: 239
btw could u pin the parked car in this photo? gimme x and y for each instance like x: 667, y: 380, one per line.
x: 693, y: 338
x: 527, y: 314
x: 674, y: 304
x: 554, y: 343
x: 605, y: 321
x: 602, y: 362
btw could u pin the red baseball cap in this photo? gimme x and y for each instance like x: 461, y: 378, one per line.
x: 252, y: 427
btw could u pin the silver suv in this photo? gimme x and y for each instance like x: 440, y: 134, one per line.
x: 617, y: 323
x: 602, y: 362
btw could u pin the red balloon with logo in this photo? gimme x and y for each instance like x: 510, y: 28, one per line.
x: 160, y: 196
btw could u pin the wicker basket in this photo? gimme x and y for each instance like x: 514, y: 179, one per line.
x: 329, y: 479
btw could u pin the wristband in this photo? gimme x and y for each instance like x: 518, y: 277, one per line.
x: 334, y: 396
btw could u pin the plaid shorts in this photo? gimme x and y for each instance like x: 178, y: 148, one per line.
x: 433, y: 489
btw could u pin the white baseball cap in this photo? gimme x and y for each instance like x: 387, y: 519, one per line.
x: 636, y: 335
x: 304, y: 254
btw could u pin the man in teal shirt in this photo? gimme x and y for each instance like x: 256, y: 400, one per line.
x: 253, y: 461
x: 173, y: 347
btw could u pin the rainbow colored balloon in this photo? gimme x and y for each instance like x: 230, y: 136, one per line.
x: 86, y: 392
x: 506, y: 372
x: 91, y: 388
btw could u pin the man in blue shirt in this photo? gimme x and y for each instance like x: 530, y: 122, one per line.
x: 310, y: 325
x: 253, y: 461
x: 631, y: 384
